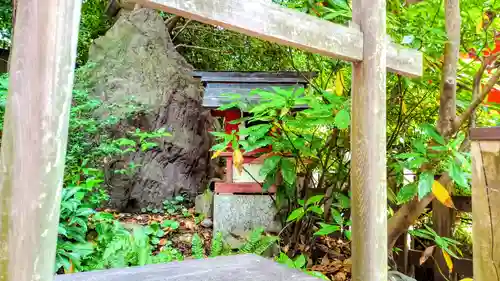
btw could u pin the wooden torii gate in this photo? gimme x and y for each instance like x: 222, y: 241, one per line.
x: 36, y: 120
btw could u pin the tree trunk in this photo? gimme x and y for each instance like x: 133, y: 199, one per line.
x: 442, y: 216
x: 409, y: 212
x: 136, y: 64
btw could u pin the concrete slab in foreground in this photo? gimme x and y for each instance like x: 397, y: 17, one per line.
x: 231, y: 268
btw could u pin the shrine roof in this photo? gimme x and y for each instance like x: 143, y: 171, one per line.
x: 220, y: 85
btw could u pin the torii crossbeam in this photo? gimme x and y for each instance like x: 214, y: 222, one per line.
x: 269, y: 21
x: 40, y: 93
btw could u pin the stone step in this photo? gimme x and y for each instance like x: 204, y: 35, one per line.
x: 228, y: 268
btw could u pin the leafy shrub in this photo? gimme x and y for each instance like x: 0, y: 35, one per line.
x: 432, y: 150
x: 87, y: 239
x: 303, y: 144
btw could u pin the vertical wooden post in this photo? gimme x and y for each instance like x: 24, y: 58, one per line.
x: 35, y: 136
x: 368, y: 145
x: 485, y: 150
x: 443, y: 222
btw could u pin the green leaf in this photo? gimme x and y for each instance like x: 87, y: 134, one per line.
x: 84, y: 212
x: 326, y: 229
x: 337, y: 217
x: 300, y: 261
x: 284, y: 259
x: 126, y: 142
x: 416, y: 163
x: 456, y: 174
x: 62, y: 231
x: 460, y: 156
x: 422, y: 233
x: 170, y: 224
x: 344, y: 201
x: 455, y: 143
x: 256, y: 131
x: 221, y: 135
x: 257, y: 144
x: 439, y: 148
x: 407, y: 155
x: 407, y: 192
x: 348, y: 234
x: 342, y: 119
x: 269, y: 181
x: 148, y: 145
x: 318, y: 275
x: 296, y: 215
x: 330, y: 16
x: 316, y: 209
x: 315, y: 199
x: 288, y: 171
x: 155, y: 240
x: 425, y: 184
x: 433, y: 133
x: 270, y: 165
x: 420, y: 146
x: 230, y: 105
x: 450, y: 252
x: 301, y: 202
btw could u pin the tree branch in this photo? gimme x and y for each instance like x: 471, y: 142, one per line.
x: 476, y: 91
x: 171, y: 23
x: 486, y: 89
x: 196, y: 47
x: 182, y: 29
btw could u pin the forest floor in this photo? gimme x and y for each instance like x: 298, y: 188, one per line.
x: 330, y: 256
x: 179, y: 238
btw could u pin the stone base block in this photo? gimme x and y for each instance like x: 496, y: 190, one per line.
x: 235, y: 216
x: 204, y: 204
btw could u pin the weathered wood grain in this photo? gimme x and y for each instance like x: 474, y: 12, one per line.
x: 368, y: 146
x: 269, y: 21
x: 231, y: 268
x: 486, y: 209
x: 35, y: 136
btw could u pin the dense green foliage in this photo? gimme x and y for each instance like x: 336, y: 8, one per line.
x: 5, y: 22
x: 91, y: 240
x: 93, y: 24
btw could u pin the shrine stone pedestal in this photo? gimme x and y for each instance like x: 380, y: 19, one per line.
x: 239, y: 215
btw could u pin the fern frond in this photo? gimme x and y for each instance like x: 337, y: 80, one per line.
x: 217, y: 245
x: 197, y: 247
x: 252, y: 242
x: 264, y: 244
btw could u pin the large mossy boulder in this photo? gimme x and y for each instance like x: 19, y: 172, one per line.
x: 135, y: 68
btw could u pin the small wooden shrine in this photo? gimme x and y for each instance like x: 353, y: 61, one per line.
x: 218, y: 86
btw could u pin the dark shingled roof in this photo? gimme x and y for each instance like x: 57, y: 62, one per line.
x: 219, y: 84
